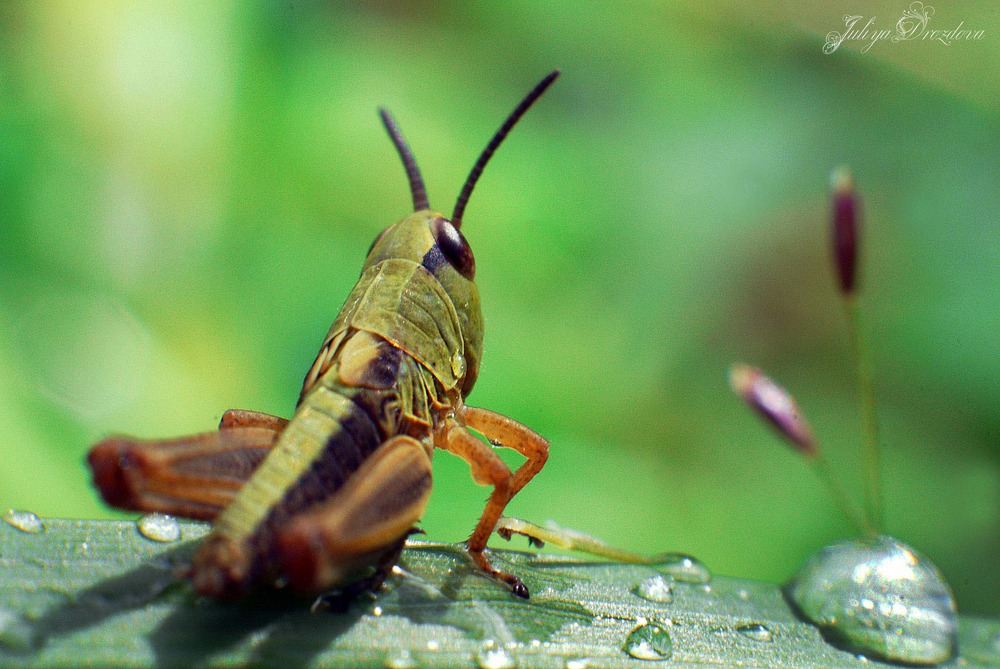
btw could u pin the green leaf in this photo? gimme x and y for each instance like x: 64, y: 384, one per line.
x: 100, y: 593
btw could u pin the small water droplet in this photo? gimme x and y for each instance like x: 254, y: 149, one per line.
x: 744, y: 595
x: 683, y: 568
x: 458, y: 364
x: 377, y: 611
x: 25, y: 521
x: 433, y: 644
x: 159, y: 527
x: 258, y: 638
x: 491, y: 656
x: 756, y: 631
x: 15, y: 632
x: 649, y: 641
x: 576, y: 663
x: 878, y: 597
x: 402, y: 660
x: 656, y: 589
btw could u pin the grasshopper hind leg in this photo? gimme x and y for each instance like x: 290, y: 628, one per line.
x: 341, y: 598
x: 191, y: 477
x: 366, y: 522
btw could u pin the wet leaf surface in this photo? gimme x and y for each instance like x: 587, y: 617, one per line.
x: 100, y: 592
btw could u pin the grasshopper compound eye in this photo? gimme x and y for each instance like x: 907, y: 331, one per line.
x: 455, y: 248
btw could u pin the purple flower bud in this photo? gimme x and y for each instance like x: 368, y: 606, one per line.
x: 776, y: 406
x: 845, y: 209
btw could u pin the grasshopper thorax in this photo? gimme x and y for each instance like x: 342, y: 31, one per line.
x: 430, y: 240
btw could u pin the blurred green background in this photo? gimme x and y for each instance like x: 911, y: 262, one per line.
x: 187, y: 192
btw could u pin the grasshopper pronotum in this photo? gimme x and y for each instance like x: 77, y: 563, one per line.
x: 317, y: 501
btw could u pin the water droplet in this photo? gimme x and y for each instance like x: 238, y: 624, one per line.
x: 656, y: 589
x: 878, y: 597
x: 15, y: 632
x: 576, y: 663
x: 25, y: 521
x: 159, y: 527
x: 433, y: 644
x: 458, y: 364
x: 756, y: 631
x: 377, y: 611
x: 402, y: 660
x: 491, y: 656
x: 683, y: 568
x: 649, y: 641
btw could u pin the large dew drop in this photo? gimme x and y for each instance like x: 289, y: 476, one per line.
x: 880, y: 598
x: 649, y: 641
x: 25, y: 521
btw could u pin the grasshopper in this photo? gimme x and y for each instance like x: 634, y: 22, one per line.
x: 326, y: 499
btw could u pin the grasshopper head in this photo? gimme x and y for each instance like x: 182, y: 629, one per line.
x: 428, y: 238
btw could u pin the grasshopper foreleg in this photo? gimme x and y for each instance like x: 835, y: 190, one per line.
x: 489, y: 469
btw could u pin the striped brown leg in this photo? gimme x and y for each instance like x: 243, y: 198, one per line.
x: 365, y: 522
x: 192, y: 477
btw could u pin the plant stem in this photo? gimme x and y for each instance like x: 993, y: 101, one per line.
x: 870, y: 452
x: 861, y: 522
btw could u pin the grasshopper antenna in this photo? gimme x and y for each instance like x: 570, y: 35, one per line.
x: 477, y: 169
x: 417, y: 187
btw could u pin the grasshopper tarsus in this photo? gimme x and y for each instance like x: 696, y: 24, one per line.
x: 507, y: 534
